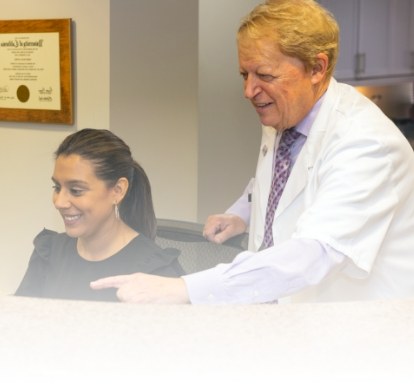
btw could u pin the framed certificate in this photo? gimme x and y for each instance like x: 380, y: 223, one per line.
x: 36, y: 71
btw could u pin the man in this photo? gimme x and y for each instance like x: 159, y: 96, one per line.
x: 331, y: 210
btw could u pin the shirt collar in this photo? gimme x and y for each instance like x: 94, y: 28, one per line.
x: 305, y: 125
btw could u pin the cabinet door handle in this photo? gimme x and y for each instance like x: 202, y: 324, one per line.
x: 412, y: 60
x: 359, y: 63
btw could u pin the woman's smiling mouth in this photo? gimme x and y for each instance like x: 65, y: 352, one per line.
x: 71, y: 219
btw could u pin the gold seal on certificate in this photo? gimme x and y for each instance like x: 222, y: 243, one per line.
x: 23, y: 93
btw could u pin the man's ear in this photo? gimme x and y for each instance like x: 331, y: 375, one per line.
x: 120, y: 189
x: 318, y: 72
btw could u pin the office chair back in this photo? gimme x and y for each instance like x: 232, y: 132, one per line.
x: 196, y: 253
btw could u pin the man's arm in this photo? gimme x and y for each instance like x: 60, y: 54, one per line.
x: 260, y: 277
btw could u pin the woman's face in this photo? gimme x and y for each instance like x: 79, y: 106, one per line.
x: 278, y: 86
x: 85, y: 203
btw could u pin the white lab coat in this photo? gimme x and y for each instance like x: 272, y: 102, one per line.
x: 352, y: 187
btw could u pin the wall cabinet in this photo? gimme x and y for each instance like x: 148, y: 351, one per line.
x: 376, y: 38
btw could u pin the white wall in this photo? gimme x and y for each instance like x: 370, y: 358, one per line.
x: 229, y: 130
x: 26, y: 150
x: 154, y: 96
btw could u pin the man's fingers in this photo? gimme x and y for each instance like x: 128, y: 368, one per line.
x: 110, y: 282
x: 211, y: 230
x: 217, y: 233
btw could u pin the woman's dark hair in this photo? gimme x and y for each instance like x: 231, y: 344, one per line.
x: 112, y: 159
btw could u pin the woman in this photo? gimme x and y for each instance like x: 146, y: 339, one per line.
x: 104, y: 198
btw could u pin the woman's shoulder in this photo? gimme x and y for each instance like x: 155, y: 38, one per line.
x: 143, y: 242
x: 153, y: 254
x: 47, y: 239
x: 47, y: 235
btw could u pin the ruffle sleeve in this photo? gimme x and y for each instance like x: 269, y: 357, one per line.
x: 43, y: 244
x: 33, y: 280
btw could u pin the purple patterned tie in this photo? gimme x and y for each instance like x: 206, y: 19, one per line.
x: 281, y: 170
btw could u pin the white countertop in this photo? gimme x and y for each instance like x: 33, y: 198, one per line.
x: 54, y: 341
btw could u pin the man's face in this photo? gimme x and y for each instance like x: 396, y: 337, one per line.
x: 277, y: 85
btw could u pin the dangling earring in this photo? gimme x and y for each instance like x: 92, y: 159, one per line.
x: 116, y: 211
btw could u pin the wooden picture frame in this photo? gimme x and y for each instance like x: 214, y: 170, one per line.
x: 36, y: 71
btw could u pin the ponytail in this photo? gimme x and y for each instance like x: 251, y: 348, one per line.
x: 137, y: 209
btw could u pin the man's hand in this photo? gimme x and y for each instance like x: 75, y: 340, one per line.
x: 143, y: 288
x: 219, y: 228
